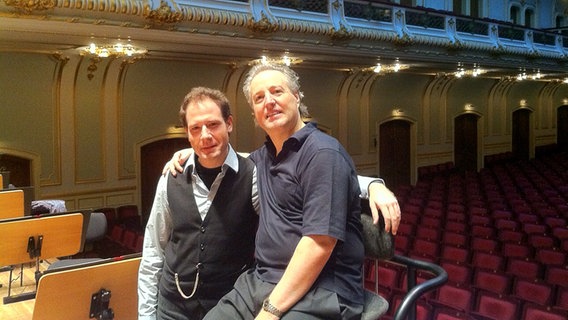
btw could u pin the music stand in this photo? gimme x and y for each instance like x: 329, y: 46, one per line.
x: 38, y: 237
x: 11, y: 204
x: 102, y: 290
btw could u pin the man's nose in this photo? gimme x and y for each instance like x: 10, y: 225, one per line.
x: 270, y: 99
x: 205, y: 133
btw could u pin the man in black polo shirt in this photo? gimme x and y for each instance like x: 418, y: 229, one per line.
x: 309, y: 248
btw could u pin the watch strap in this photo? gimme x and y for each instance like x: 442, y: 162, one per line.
x: 268, y: 307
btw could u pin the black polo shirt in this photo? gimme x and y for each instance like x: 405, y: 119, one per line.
x: 311, y: 188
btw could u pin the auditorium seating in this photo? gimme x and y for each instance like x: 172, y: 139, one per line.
x: 125, y: 232
x: 501, y: 234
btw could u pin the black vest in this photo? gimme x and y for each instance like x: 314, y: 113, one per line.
x: 222, y: 245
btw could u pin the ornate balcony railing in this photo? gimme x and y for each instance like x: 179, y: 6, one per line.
x: 358, y: 20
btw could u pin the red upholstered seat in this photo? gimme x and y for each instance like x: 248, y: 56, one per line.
x: 458, y: 274
x: 556, y: 276
x: 533, y: 291
x: 486, y: 260
x: 496, y: 307
x: 535, y: 312
x: 457, y: 298
x: 491, y: 281
x: 523, y: 268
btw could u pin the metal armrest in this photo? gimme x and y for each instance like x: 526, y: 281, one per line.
x: 408, y: 305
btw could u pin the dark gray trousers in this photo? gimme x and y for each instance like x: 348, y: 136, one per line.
x: 191, y: 309
x: 245, y: 302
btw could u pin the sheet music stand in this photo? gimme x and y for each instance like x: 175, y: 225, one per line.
x: 11, y: 204
x: 38, y: 237
x: 102, y: 290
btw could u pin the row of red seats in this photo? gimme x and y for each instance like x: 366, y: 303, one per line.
x: 453, y: 301
x: 120, y: 241
x: 500, y: 234
x: 126, y: 215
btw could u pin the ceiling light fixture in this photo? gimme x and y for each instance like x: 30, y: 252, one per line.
x: 462, y: 71
x: 285, y: 59
x: 127, y: 50
x: 378, y: 68
x: 387, y: 68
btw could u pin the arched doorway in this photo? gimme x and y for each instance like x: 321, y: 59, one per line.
x: 465, y: 142
x: 521, y: 134
x: 395, y: 153
x: 153, y: 156
x: 562, y: 128
x: 15, y: 170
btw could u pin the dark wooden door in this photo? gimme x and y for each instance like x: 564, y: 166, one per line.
x: 521, y: 134
x: 465, y: 142
x: 153, y: 157
x: 394, y: 153
x: 562, y: 128
x: 15, y: 170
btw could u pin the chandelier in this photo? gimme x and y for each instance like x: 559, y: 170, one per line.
x: 285, y: 59
x: 473, y: 72
x: 127, y: 50
x: 383, y: 68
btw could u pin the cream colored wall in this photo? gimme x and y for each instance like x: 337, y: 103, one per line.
x: 84, y: 134
x: 29, y: 111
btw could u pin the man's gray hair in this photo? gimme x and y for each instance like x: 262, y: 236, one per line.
x: 292, y: 80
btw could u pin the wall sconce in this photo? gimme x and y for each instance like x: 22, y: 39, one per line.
x: 469, y: 107
x: 397, y: 112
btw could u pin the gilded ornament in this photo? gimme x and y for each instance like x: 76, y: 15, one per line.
x: 27, y: 6
x: 455, y: 45
x: 164, y: 14
x: 262, y: 25
x: 341, y: 34
x: 403, y: 40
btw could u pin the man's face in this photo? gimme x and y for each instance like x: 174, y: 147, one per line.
x: 275, y: 107
x: 208, y: 132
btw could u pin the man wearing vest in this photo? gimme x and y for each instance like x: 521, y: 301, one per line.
x: 200, y: 233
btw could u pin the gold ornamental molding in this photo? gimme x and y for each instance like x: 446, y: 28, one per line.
x: 28, y: 6
x: 455, y: 45
x: 262, y: 25
x: 163, y: 15
x: 341, y: 34
x: 403, y: 40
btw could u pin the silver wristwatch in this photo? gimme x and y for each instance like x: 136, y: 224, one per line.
x: 266, y: 306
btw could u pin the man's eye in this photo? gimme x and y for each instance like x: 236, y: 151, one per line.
x: 258, y: 99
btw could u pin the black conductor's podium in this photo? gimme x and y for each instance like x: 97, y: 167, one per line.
x: 33, y: 238
x: 104, y: 289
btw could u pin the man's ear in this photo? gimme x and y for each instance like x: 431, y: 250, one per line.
x: 229, y: 124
